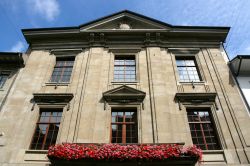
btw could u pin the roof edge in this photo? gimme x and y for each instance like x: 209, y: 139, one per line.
x: 240, y: 57
x: 130, y: 12
x: 50, y: 28
x: 10, y: 53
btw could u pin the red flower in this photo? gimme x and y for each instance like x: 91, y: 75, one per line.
x: 108, y: 152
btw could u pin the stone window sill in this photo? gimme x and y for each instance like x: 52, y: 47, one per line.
x: 124, y: 82
x: 57, y: 83
x: 36, y: 151
x: 210, y: 156
x: 196, y: 83
x: 212, y: 151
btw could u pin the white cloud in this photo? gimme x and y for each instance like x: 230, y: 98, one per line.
x: 18, y: 47
x: 247, y: 49
x: 46, y: 8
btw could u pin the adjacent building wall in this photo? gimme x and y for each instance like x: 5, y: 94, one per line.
x: 244, y: 83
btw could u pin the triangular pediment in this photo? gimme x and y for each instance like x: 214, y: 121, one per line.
x: 124, y: 94
x: 125, y: 20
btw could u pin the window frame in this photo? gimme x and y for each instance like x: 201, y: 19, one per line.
x: 125, y: 77
x: 38, y: 122
x: 196, y: 66
x: 124, y: 124
x: 217, y: 142
x: 63, y: 59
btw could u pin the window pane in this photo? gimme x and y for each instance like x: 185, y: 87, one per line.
x: 59, y: 63
x: 120, y: 118
x: 180, y: 63
x: 189, y: 62
x: 116, y: 133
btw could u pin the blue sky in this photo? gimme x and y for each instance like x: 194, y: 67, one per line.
x: 20, y: 14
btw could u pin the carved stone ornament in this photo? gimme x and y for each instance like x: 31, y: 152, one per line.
x: 124, y: 26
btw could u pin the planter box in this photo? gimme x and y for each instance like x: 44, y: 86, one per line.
x: 191, y: 161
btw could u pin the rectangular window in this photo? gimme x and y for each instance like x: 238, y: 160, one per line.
x: 187, y: 69
x: 125, y: 69
x: 3, y: 79
x: 62, y: 70
x: 124, y: 126
x: 202, y: 129
x: 47, y: 128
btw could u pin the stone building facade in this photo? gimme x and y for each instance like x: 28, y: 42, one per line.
x: 81, y: 84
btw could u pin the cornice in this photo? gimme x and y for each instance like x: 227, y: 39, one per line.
x: 127, y: 44
x: 52, y: 97
x: 196, y: 97
x: 91, y: 31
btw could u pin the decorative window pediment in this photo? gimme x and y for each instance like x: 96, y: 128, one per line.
x: 195, y: 97
x: 52, y: 98
x: 124, y: 94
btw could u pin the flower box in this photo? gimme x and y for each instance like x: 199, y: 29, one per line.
x: 188, y: 161
x: 113, y: 154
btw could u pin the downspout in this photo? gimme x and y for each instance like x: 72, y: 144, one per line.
x: 238, y: 71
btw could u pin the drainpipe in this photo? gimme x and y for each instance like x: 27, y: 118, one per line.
x: 237, y: 74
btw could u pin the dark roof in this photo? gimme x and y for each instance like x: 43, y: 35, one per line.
x: 241, y: 57
x: 240, y: 65
x: 10, y: 53
x: 11, y: 58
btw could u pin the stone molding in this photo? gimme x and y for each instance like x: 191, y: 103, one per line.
x: 52, y: 98
x: 124, y: 94
x: 195, y: 97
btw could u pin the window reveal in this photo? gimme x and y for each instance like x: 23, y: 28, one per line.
x: 46, y: 129
x: 124, y: 127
